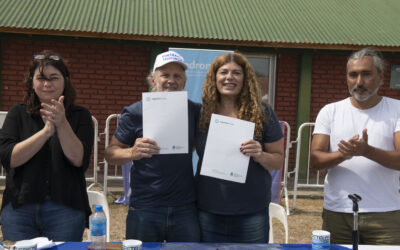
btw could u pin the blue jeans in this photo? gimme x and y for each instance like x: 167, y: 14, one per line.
x: 159, y: 224
x: 248, y: 228
x: 48, y: 219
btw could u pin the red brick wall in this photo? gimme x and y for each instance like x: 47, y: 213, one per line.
x: 107, y: 77
x: 328, y: 81
x: 286, y: 94
x: 287, y: 78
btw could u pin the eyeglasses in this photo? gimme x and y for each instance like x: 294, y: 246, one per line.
x: 41, y: 57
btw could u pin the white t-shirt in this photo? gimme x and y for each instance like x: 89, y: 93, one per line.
x: 377, y: 185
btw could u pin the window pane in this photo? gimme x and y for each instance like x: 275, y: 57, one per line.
x: 261, y: 66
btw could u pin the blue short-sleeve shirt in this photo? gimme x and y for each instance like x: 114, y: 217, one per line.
x: 162, y: 180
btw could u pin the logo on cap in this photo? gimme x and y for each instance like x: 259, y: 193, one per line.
x: 169, y: 57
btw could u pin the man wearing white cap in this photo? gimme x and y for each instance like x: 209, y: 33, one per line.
x: 162, y: 203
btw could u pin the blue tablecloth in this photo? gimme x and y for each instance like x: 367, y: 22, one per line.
x: 202, y: 246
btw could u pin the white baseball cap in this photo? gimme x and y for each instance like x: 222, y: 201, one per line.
x: 168, y: 57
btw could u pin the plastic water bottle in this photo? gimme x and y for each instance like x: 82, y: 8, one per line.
x: 98, y: 228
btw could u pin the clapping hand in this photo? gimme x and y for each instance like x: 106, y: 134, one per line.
x: 54, y: 112
x: 53, y: 115
x: 356, y: 146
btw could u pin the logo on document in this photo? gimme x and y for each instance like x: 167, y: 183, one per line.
x: 174, y: 147
x: 235, y: 174
x: 223, y: 122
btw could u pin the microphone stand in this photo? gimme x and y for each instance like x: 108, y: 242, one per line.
x: 355, y: 236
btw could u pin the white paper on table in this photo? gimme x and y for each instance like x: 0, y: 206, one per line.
x: 165, y: 120
x: 43, y: 242
x: 222, y: 157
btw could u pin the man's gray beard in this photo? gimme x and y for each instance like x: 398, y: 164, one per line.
x: 363, y: 98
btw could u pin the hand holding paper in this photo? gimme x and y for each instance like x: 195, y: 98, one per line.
x: 222, y: 157
x: 144, y: 148
x: 252, y: 148
x: 165, y: 120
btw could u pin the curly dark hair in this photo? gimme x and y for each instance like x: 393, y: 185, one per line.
x: 249, y: 100
x: 40, y: 61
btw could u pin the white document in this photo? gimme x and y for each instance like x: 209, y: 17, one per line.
x: 222, y: 157
x: 165, y: 120
x: 43, y: 243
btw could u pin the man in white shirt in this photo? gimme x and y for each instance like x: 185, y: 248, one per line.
x: 358, y: 141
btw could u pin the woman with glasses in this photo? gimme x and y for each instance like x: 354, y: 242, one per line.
x: 231, y: 211
x: 45, y: 147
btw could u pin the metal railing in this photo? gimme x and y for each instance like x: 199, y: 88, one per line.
x: 94, y: 178
x: 317, y: 183
x: 287, y: 147
x: 115, y: 175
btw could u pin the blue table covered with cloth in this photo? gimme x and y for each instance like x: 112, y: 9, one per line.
x: 202, y: 246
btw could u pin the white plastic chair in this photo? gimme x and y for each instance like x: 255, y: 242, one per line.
x: 278, y: 212
x: 97, y: 198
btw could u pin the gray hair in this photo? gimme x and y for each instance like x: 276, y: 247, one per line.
x: 375, y: 54
x: 148, y: 79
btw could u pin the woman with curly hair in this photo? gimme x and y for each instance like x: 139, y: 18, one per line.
x: 231, y: 211
x: 45, y: 147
